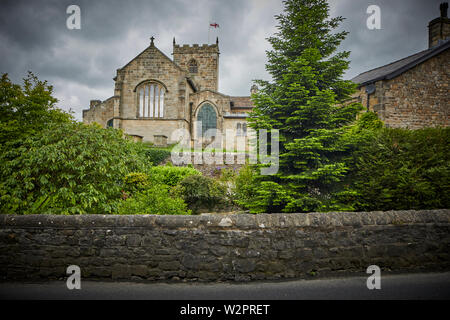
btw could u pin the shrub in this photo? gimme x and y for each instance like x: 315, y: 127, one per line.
x: 155, y: 155
x: 201, y: 192
x: 136, y: 181
x: 154, y: 200
x: 401, y: 169
x: 244, y: 190
x: 67, y: 169
x: 170, y: 175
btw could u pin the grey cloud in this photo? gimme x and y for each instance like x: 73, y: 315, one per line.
x: 82, y: 63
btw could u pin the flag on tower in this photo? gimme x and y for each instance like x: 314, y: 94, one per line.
x: 214, y: 25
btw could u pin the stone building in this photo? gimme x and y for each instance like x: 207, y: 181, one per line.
x: 155, y: 95
x: 412, y: 92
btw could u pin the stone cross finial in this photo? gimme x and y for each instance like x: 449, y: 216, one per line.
x: 151, y: 39
x: 444, y: 8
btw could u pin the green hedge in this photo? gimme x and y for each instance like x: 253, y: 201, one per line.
x: 155, y: 155
x: 399, y: 169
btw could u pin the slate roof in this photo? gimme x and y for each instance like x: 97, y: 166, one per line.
x: 242, y: 102
x: 398, y: 67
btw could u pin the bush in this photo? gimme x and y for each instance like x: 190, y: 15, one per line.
x: 135, y: 182
x: 154, y: 200
x: 170, y: 175
x: 67, y: 169
x: 201, y: 192
x: 400, y: 169
x: 155, y: 155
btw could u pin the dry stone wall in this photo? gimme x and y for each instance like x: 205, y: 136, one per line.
x: 221, y: 247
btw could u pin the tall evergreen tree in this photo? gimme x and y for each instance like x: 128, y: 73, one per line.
x: 305, y: 102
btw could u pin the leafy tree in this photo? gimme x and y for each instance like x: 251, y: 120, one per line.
x: 69, y: 168
x: 305, y: 102
x: 26, y: 110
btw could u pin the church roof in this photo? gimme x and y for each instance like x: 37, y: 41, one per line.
x: 398, y: 67
x: 152, y: 46
x: 242, y: 102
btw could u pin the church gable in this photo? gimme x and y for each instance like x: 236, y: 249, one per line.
x: 156, y: 68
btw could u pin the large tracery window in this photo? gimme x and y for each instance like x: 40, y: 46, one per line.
x: 151, y: 100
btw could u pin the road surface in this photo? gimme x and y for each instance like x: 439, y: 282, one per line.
x: 403, y: 286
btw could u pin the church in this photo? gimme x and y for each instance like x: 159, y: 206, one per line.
x: 155, y: 95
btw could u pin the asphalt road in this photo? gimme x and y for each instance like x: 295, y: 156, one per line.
x: 404, y: 286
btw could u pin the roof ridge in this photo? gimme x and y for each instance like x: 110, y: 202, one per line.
x: 393, y: 62
x: 152, y: 46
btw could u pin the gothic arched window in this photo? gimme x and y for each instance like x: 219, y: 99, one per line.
x: 208, y: 118
x: 151, y: 100
x: 193, y: 66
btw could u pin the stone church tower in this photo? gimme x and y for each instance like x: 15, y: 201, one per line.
x: 202, y: 63
x: 155, y: 95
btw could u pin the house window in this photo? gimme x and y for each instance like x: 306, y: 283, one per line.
x: 151, y: 100
x: 193, y: 66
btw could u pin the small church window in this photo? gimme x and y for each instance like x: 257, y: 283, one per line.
x: 151, y: 100
x: 241, y: 129
x: 193, y: 66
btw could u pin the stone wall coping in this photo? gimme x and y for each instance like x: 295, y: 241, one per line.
x: 224, y: 221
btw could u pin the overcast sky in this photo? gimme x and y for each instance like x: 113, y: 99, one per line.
x: 80, y: 64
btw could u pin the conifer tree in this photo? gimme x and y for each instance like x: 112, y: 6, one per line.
x: 305, y: 102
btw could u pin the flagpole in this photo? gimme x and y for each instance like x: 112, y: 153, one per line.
x: 209, y: 30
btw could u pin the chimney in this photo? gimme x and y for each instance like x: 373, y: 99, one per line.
x: 439, y: 28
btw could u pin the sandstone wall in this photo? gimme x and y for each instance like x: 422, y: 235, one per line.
x: 222, y: 247
x: 207, y: 58
x: 416, y: 99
